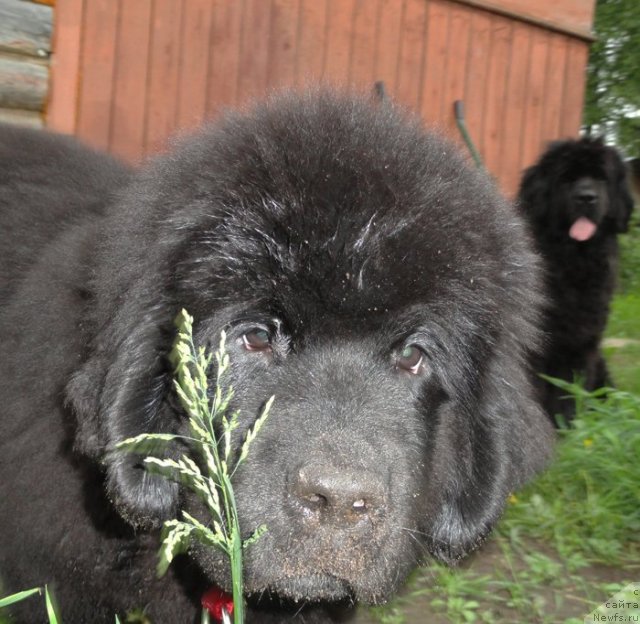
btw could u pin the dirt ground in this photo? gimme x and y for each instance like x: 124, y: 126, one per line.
x: 573, y: 596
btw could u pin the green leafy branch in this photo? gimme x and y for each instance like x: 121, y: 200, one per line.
x: 212, y: 482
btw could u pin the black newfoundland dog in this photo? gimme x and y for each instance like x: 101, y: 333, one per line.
x: 577, y: 200
x: 366, y: 276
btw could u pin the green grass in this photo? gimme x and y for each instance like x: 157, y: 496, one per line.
x: 624, y: 363
x: 588, y: 502
x: 622, y: 346
x: 53, y: 616
x: 624, y: 321
x: 629, y: 281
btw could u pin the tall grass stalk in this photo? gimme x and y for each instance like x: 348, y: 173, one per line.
x: 52, y: 610
x: 208, y: 411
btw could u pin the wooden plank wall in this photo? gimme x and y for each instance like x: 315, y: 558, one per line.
x: 129, y: 74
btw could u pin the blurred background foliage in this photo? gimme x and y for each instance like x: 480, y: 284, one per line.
x: 612, y: 104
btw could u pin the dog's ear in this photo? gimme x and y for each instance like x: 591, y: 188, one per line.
x: 621, y: 207
x: 119, y: 392
x: 621, y: 200
x: 496, y: 456
x: 502, y: 437
x: 534, y: 194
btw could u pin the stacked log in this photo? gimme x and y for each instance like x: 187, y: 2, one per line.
x: 25, y: 49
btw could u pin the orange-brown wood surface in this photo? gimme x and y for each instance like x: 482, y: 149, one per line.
x: 129, y: 101
x: 566, y: 15
x: 127, y: 75
x: 197, y: 22
x: 363, y: 46
x: 97, y: 69
x: 388, y: 39
x: 224, y: 55
x: 62, y: 106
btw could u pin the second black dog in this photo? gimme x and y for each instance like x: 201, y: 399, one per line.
x: 577, y: 200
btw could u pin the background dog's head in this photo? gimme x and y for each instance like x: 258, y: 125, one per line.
x: 577, y: 189
x: 372, y: 281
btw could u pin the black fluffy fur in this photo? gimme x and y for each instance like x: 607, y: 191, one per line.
x: 347, y: 233
x: 574, y: 179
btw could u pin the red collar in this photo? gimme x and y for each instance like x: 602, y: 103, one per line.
x: 214, y: 600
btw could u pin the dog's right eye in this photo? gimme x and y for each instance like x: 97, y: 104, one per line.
x: 256, y: 340
x: 410, y: 359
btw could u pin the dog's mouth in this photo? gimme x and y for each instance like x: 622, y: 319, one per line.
x: 289, y: 582
x: 315, y: 587
x: 582, y: 229
x: 293, y: 594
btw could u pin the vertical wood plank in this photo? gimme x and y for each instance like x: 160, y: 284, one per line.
x: 412, y: 44
x: 224, y: 55
x: 434, y: 75
x: 129, y: 105
x: 388, y: 44
x: 338, y: 55
x: 574, y: 85
x: 365, y: 22
x: 454, y: 84
x: 554, y: 84
x: 164, y: 60
x: 254, y: 50
x: 312, y: 35
x: 515, y: 111
x: 62, y: 106
x: 477, y: 76
x: 194, y: 62
x: 97, y: 65
x: 283, y: 43
x: 495, y: 94
x: 532, y: 138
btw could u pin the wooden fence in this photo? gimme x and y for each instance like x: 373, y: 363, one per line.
x: 127, y: 74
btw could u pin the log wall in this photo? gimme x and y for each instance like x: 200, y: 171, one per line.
x: 25, y: 48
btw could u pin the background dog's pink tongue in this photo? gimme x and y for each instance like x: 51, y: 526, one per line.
x: 582, y: 229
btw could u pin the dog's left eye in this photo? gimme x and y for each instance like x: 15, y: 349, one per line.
x: 410, y: 359
x: 256, y: 340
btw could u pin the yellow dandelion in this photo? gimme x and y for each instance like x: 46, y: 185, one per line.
x: 587, y: 442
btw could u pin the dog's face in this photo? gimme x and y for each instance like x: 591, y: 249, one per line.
x: 374, y: 284
x: 578, y: 189
x: 587, y: 204
x: 365, y: 333
x: 337, y: 473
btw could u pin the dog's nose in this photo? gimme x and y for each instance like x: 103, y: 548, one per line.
x: 587, y: 197
x: 339, y: 496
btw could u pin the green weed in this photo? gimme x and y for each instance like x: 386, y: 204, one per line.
x: 213, y: 486
x: 588, y: 501
x: 207, y: 472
